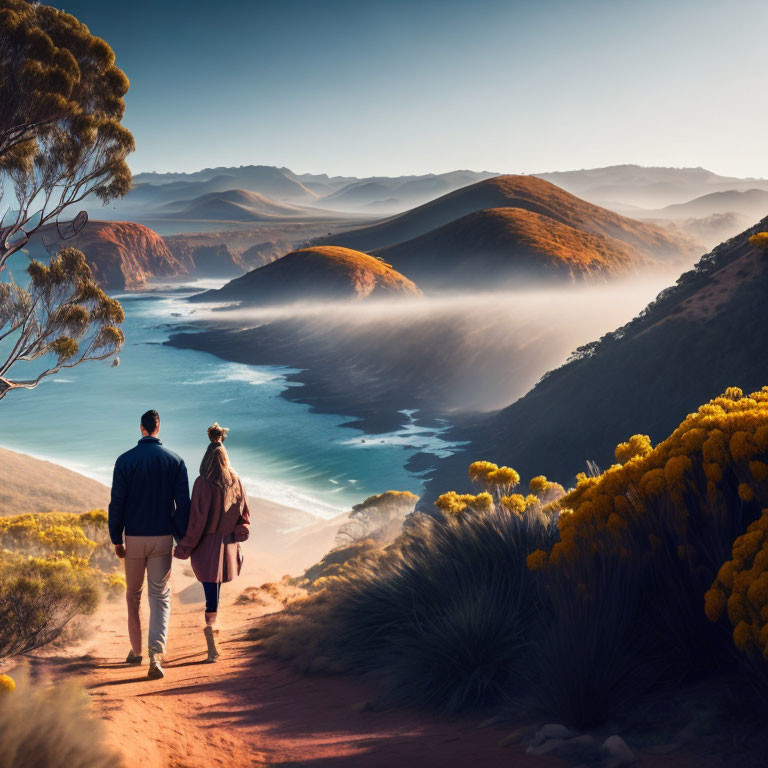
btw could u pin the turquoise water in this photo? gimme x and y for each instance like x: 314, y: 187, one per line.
x: 85, y: 417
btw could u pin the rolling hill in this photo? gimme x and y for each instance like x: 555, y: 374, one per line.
x: 509, y: 245
x: 527, y: 193
x: 707, y: 332
x: 32, y: 485
x: 233, y: 205
x: 319, y: 273
x: 400, y: 193
x: 749, y: 202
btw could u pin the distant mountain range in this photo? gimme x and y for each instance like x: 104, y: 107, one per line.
x: 707, y: 332
x: 373, y: 195
x: 644, y: 187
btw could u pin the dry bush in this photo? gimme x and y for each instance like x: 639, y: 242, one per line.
x: 51, y: 727
x: 38, y: 598
x: 302, y: 634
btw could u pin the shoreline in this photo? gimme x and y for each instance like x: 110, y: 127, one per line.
x: 291, y: 513
x: 314, y: 380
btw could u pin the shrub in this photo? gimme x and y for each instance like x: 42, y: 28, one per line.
x: 38, y: 598
x: 50, y: 727
x: 661, y: 525
x: 444, y: 616
x: 77, y: 537
x: 740, y: 590
x: 713, y: 464
x: 336, y: 563
x: 379, y: 517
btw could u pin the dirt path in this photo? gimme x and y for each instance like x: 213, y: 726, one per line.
x: 247, y: 710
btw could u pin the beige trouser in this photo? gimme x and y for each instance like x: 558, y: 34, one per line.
x: 152, y: 554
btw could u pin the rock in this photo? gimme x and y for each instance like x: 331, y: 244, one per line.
x: 581, y: 746
x: 515, y: 737
x: 552, y: 731
x: 545, y: 748
x: 617, y: 752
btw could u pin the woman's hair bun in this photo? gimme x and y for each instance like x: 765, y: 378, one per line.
x: 217, y: 432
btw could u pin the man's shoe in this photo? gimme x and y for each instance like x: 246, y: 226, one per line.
x: 133, y: 658
x: 155, y: 671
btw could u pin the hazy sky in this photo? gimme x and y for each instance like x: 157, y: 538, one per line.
x: 364, y: 87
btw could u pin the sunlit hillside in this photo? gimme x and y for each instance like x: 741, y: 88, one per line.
x: 321, y: 272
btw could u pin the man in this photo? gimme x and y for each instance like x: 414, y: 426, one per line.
x: 150, y: 505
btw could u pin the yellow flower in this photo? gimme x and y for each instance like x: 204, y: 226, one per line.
x: 514, y: 503
x: 736, y: 609
x: 714, y: 604
x: 714, y: 472
x: 746, y: 492
x: 757, y: 593
x: 741, y: 446
x: 538, y: 484
x: 759, y: 470
x: 536, y: 560
x: 742, y: 636
x: 7, y: 684
x: 637, y: 446
x: 675, y: 470
x: 503, y: 477
x: 479, y: 471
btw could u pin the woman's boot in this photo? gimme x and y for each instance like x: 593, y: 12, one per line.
x: 213, y: 653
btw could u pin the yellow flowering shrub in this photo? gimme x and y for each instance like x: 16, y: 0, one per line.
x: 760, y: 239
x: 453, y: 504
x: 740, y: 590
x: 636, y: 447
x: 718, y: 454
x: 498, y: 483
x: 490, y: 477
x: 66, y: 540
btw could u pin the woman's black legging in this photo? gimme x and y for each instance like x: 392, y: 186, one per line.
x: 212, y: 591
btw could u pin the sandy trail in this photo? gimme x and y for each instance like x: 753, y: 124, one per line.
x: 247, y: 710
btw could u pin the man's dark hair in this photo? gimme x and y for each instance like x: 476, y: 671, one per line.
x: 150, y: 421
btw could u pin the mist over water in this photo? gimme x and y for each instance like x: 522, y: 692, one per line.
x: 460, y: 352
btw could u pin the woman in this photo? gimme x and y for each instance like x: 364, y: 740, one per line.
x: 218, y: 520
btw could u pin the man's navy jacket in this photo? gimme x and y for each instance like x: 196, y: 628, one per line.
x: 150, y: 493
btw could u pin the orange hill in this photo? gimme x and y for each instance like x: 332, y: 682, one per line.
x: 528, y: 193
x: 510, y: 244
x: 123, y: 254
x: 321, y: 272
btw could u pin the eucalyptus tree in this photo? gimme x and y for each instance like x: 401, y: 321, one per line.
x: 61, y: 140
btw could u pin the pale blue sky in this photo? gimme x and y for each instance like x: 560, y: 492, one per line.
x: 360, y: 88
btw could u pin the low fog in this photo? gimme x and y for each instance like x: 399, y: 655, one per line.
x: 447, y: 353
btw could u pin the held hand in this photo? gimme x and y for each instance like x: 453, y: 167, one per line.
x: 181, y: 553
x: 240, y: 533
x: 120, y: 550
